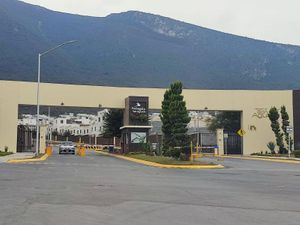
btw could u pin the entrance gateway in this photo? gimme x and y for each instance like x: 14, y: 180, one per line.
x: 135, y: 131
x: 252, y: 104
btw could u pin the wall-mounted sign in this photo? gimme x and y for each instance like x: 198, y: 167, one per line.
x: 261, y: 113
x: 252, y: 127
x: 138, y: 107
x: 289, y: 129
x: 241, y: 132
x: 138, y: 112
x: 138, y: 137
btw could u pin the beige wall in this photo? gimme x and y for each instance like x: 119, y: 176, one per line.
x: 13, y: 93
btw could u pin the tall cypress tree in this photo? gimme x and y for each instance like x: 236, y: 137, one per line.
x: 285, y: 123
x: 174, y: 118
x: 113, y: 120
x: 165, y: 118
x: 274, y: 116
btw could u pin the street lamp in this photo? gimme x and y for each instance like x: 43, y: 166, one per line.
x: 38, y: 91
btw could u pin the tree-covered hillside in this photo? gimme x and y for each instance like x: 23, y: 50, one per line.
x: 138, y: 49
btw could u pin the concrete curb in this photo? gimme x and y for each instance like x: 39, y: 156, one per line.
x: 44, y: 157
x: 292, y: 161
x: 153, y: 164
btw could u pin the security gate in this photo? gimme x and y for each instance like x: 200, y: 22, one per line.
x: 26, y: 138
x: 233, y: 144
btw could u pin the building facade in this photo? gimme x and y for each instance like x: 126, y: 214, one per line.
x: 252, y: 104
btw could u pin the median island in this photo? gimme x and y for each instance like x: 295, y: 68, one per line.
x: 162, y: 161
x: 165, y: 160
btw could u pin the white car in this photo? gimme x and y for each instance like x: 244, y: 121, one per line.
x: 67, y: 147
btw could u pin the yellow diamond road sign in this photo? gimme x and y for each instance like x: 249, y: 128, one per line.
x: 241, y: 132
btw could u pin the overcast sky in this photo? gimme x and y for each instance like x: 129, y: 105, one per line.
x: 272, y: 20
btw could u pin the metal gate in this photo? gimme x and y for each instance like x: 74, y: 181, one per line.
x: 26, y: 138
x: 233, y: 144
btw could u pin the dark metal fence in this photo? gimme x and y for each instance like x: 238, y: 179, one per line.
x: 26, y: 138
x: 233, y: 144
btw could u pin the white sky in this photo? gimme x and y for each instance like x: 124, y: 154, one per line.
x: 272, y: 20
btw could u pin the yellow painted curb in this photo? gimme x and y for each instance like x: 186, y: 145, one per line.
x: 263, y: 159
x: 147, y: 163
x: 44, y: 157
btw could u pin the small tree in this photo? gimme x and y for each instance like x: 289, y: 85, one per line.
x: 274, y: 116
x: 285, y: 123
x: 67, y: 134
x: 271, y: 147
x: 55, y: 134
x: 175, y: 119
x: 113, y: 120
x: 230, y: 121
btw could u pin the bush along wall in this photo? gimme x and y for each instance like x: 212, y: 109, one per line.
x: 297, y: 153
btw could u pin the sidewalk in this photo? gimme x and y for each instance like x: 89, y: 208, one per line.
x: 24, y: 155
x: 266, y: 158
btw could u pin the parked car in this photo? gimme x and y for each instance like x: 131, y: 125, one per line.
x: 67, y: 147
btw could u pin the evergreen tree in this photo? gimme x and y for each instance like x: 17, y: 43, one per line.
x: 165, y: 119
x: 174, y: 118
x: 113, y: 120
x: 285, y: 123
x: 229, y: 121
x: 67, y: 134
x: 274, y: 116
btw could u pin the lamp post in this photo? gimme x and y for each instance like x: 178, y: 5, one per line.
x: 38, y: 91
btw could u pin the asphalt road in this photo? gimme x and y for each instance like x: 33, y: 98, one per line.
x: 96, y: 189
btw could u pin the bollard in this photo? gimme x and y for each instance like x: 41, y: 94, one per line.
x: 81, y: 151
x: 49, y: 150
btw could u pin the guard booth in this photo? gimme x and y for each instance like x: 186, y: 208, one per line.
x: 135, y: 132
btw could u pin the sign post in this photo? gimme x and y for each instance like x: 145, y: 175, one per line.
x: 242, y: 133
x: 289, y: 130
x: 226, y: 141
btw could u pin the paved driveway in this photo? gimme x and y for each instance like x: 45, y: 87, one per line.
x: 92, y: 190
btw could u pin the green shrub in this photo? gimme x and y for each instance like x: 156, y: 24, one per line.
x: 297, y: 153
x: 146, y: 148
x: 172, y: 152
x: 271, y: 146
x: 179, y: 153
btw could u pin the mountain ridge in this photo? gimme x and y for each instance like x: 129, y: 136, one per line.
x: 138, y: 49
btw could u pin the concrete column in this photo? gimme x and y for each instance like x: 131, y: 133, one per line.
x: 220, y: 141
x: 8, y: 124
x: 43, y: 133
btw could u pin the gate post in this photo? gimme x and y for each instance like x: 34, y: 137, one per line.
x: 220, y: 141
x: 42, y: 142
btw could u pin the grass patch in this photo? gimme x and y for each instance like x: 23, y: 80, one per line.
x: 5, y: 153
x: 166, y: 160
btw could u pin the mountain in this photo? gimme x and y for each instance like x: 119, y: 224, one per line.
x: 137, y: 49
